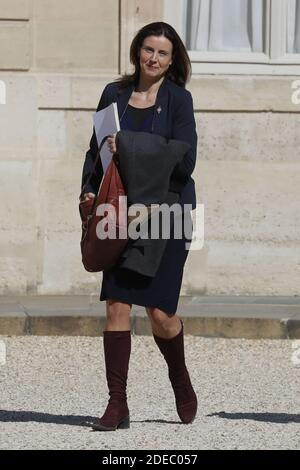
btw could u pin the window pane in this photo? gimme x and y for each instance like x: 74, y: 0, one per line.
x: 224, y: 25
x: 293, y: 27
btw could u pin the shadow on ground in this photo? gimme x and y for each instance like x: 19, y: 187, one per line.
x: 280, y: 418
x: 9, y: 416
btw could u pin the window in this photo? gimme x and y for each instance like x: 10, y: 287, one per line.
x: 293, y: 27
x: 219, y: 26
x: 239, y: 36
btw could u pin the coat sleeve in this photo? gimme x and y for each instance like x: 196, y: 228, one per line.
x: 184, y: 128
x: 94, y: 183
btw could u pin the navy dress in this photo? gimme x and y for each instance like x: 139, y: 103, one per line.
x: 130, y: 287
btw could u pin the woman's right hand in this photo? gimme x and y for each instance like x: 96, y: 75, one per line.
x: 87, y: 196
x: 111, y: 143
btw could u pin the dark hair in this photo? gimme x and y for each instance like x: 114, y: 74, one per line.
x: 179, y: 71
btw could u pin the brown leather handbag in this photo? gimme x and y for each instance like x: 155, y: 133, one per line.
x: 102, y: 252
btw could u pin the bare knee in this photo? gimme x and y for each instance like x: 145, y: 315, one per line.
x: 118, y: 313
x: 157, y: 317
x: 163, y: 324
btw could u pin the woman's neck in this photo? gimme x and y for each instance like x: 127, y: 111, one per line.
x: 148, y: 88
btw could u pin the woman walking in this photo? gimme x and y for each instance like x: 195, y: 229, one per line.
x: 152, y: 99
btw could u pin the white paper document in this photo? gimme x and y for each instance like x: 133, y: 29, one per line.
x: 106, y: 122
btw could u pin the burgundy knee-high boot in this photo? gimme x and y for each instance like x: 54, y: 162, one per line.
x: 185, y: 396
x: 117, y: 348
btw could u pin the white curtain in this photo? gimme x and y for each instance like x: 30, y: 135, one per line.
x: 224, y: 25
x: 293, y: 29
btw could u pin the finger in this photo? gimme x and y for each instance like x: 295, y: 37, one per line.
x: 88, y: 196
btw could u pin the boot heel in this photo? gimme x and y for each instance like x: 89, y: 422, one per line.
x: 125, y: 424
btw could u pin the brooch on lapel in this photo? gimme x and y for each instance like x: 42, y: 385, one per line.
x: 159, y: 110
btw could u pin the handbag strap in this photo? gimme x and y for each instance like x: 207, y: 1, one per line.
x: 94, y: 166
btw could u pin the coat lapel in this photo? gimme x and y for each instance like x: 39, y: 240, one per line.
x: 123, y: 99
x: 161, y: 105
x: 161, y: 109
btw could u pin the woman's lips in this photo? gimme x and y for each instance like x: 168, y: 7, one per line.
x: 151, y: 67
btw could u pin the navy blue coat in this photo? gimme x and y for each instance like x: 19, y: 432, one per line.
x: 174, y: 121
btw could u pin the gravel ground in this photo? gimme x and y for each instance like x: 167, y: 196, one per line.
x: 248, y: 395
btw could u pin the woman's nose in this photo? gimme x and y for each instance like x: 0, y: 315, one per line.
x: 153, y: 57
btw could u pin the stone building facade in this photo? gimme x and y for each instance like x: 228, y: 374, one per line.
x: 55, y: 59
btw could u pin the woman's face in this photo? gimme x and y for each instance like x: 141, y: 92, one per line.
x: 155, y: 56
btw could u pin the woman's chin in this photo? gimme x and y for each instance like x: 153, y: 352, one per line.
x: 152, y: 74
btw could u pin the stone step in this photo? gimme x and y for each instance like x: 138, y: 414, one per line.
x: 251, y: 317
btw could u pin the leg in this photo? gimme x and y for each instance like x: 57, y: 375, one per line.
x: 163, y: 325
x: 117, y: 349
x: 171, y: 345
x: 117, y: 315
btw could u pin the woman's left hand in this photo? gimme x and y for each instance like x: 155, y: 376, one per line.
x: 111, y: 143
